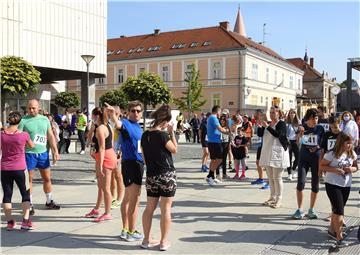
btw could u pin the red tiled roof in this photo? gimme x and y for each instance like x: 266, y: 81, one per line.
x: 220, y: 40
x: 310, y: 73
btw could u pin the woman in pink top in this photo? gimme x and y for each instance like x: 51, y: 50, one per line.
x: 13, y: 168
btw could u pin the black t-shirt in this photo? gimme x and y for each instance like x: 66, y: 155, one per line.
x: 328, y: 141
x: 203, y: 128
x: 312, y: 136
x: 324, y: 123
x: 157, y: 158
x: 239, y: 153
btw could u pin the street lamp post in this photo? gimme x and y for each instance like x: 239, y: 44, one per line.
x: 188, y: 76
x: 85, y: 90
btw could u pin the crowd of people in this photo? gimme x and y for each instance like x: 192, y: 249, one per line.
x: 325, y: 146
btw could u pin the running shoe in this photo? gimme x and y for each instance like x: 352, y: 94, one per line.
x: 246, y: 168
x: 257, y: 181
x: 52, y: 205
x: 230, y: 167
x: 217, y: 180
x: 164, y: 247
x: 27, y: 225
x: 10, y: 225
x: 210, y: 181
x: 226, y: 176
x: 115, y: 204
x: 103, y: 217
x: 148, y: 245
x: 82, y: 152
x: 294, y: 175
x: 134, y: 236
x: 207, y: 168
x: 265, y: 186
x: 236, y: 177
x: 333, y: 235
x: 269, y: 202
x: 290, y: 177
x: 242, y: 177
x: 92, y: 214
x: 203, y: 169
x: 298, y: 214
x: 341, y: 243
x: 32, y: 210
x: 312, y: 214
x: 123, y: 234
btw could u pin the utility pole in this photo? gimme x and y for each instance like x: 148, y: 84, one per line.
x: 264, y: 34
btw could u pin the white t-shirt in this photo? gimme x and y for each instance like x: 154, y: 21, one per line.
x: 343, y: 161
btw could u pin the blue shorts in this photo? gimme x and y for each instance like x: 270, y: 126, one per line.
x: 37, y: 160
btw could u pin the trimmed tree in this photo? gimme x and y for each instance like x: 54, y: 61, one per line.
x: 193, y: 98
x: 67, y: 100
x: 17, y: 77
x: 114, y: 97
x: 148, y: 88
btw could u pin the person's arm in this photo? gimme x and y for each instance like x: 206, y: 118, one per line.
x: 90, y: 134
x: 325, y: 166
x: 29, y: 142
x: 223, y: 130
x: 279, y: 131
x: 53, y: 145
x: 171, y: 145
x: 112, y: 115
x: 101, y: 136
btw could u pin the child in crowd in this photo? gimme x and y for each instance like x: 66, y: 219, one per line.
x: 239, y: 150
x: 65, y: 133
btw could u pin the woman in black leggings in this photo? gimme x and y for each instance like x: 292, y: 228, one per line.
x: 13, y: 169
x: 292, y: 124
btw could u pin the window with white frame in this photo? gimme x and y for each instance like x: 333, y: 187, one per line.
x: 291, y: 104
x: 282, y: 79
x: 261, y: 100
x: 275, y: 77
x: 255, y: 71
x: 188, y: 70
x: 291, y: 83
x: 299, y: 84
x: 142, y: 69
x: 216, y: 70
x: 267, y: 75
x: 165, y: 73
x: 216, y: 99
x: 100, y: 81
x: 266, y: 101
x: 120, y: 76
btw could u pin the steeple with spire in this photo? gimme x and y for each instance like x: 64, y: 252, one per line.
x: 239, y: 24
x: 306, y: 59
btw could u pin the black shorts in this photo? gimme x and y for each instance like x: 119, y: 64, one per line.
x: 163, y: 185
x: 20, y: 177
x: 215, y: 150
x: 258, y: 153
x: 204, y: 144
x: 338, y: 197
x: 132, y: 172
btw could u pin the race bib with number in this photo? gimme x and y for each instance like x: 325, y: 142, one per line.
x: 310, y: 140
x: 40, y: 139
x: 331, y: 144
x: 325, y: 126
x: 139, y: 146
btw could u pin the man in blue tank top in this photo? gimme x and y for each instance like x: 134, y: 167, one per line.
x: 132, y: 165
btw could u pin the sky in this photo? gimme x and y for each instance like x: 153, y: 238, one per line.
x: 330, y: 30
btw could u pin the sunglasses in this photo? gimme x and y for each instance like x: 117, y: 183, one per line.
x: 135, y: 111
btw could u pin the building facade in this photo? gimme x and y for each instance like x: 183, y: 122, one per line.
x: 317, y: 86
x: 52, y: 35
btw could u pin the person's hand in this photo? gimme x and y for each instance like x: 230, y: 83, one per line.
x: 301, y: 130
x: 170, y: 128
x: 320, y: 173
x: 347, y: 169
x: 109, y: 108
x: 100, y: 171
x: 56, y: 157
x: 340, y: 171
x: 264, y: 124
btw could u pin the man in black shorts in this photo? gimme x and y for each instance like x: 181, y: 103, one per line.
x: 214, y: 142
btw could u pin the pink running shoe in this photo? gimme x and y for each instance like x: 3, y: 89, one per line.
x: 242, y: 177
x: 27, y: 225
x: 236, y: 177
x: 103, y: 218
x: 10, y: 225
x: 92, y: 214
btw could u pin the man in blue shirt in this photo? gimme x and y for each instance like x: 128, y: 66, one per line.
x: 214, y: 131
x: 132, y: 166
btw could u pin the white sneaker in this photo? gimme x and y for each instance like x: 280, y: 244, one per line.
x: 82, y: 152
x: 217, y: 180
x: 294, y: 175
x: 210, y: 181
x: 290, y: 177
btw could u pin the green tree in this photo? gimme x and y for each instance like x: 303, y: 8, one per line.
x: 148, y: 88
x: 67, y: 99
x: 193, y: 98
x: 342, y: 85
x: 115, y: 97
x: 17, y: 77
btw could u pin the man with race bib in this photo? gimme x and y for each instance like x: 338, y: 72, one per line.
x: 310, y: 137
x: 39, y: 129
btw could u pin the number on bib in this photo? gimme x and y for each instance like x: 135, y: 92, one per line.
x: 325, y: 126
x: 40, y: 139
x: 331, y: 144
x: 310, y: 140
x: 139, y: 146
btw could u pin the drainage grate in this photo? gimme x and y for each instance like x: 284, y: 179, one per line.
x: 311, y: 238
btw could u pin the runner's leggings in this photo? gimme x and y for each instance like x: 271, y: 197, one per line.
x: 308, y: 160
x: 7, y: 182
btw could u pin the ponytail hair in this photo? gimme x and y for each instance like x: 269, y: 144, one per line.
x: 163, y: 113
x: 101, y: 113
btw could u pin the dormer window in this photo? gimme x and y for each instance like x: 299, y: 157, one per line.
x: 131, y: 51
x: 193, y: 44
x: 207, y: 43
x: 178, y: 46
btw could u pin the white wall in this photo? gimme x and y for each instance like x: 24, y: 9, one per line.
x: 55, y: 33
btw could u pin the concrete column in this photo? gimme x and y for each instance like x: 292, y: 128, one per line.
x: 348, y: 86
x: 85, y: 97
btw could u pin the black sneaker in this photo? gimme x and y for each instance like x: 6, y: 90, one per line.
x: 32, y: 210
x: 341, y: 243
x: 52, y: 205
